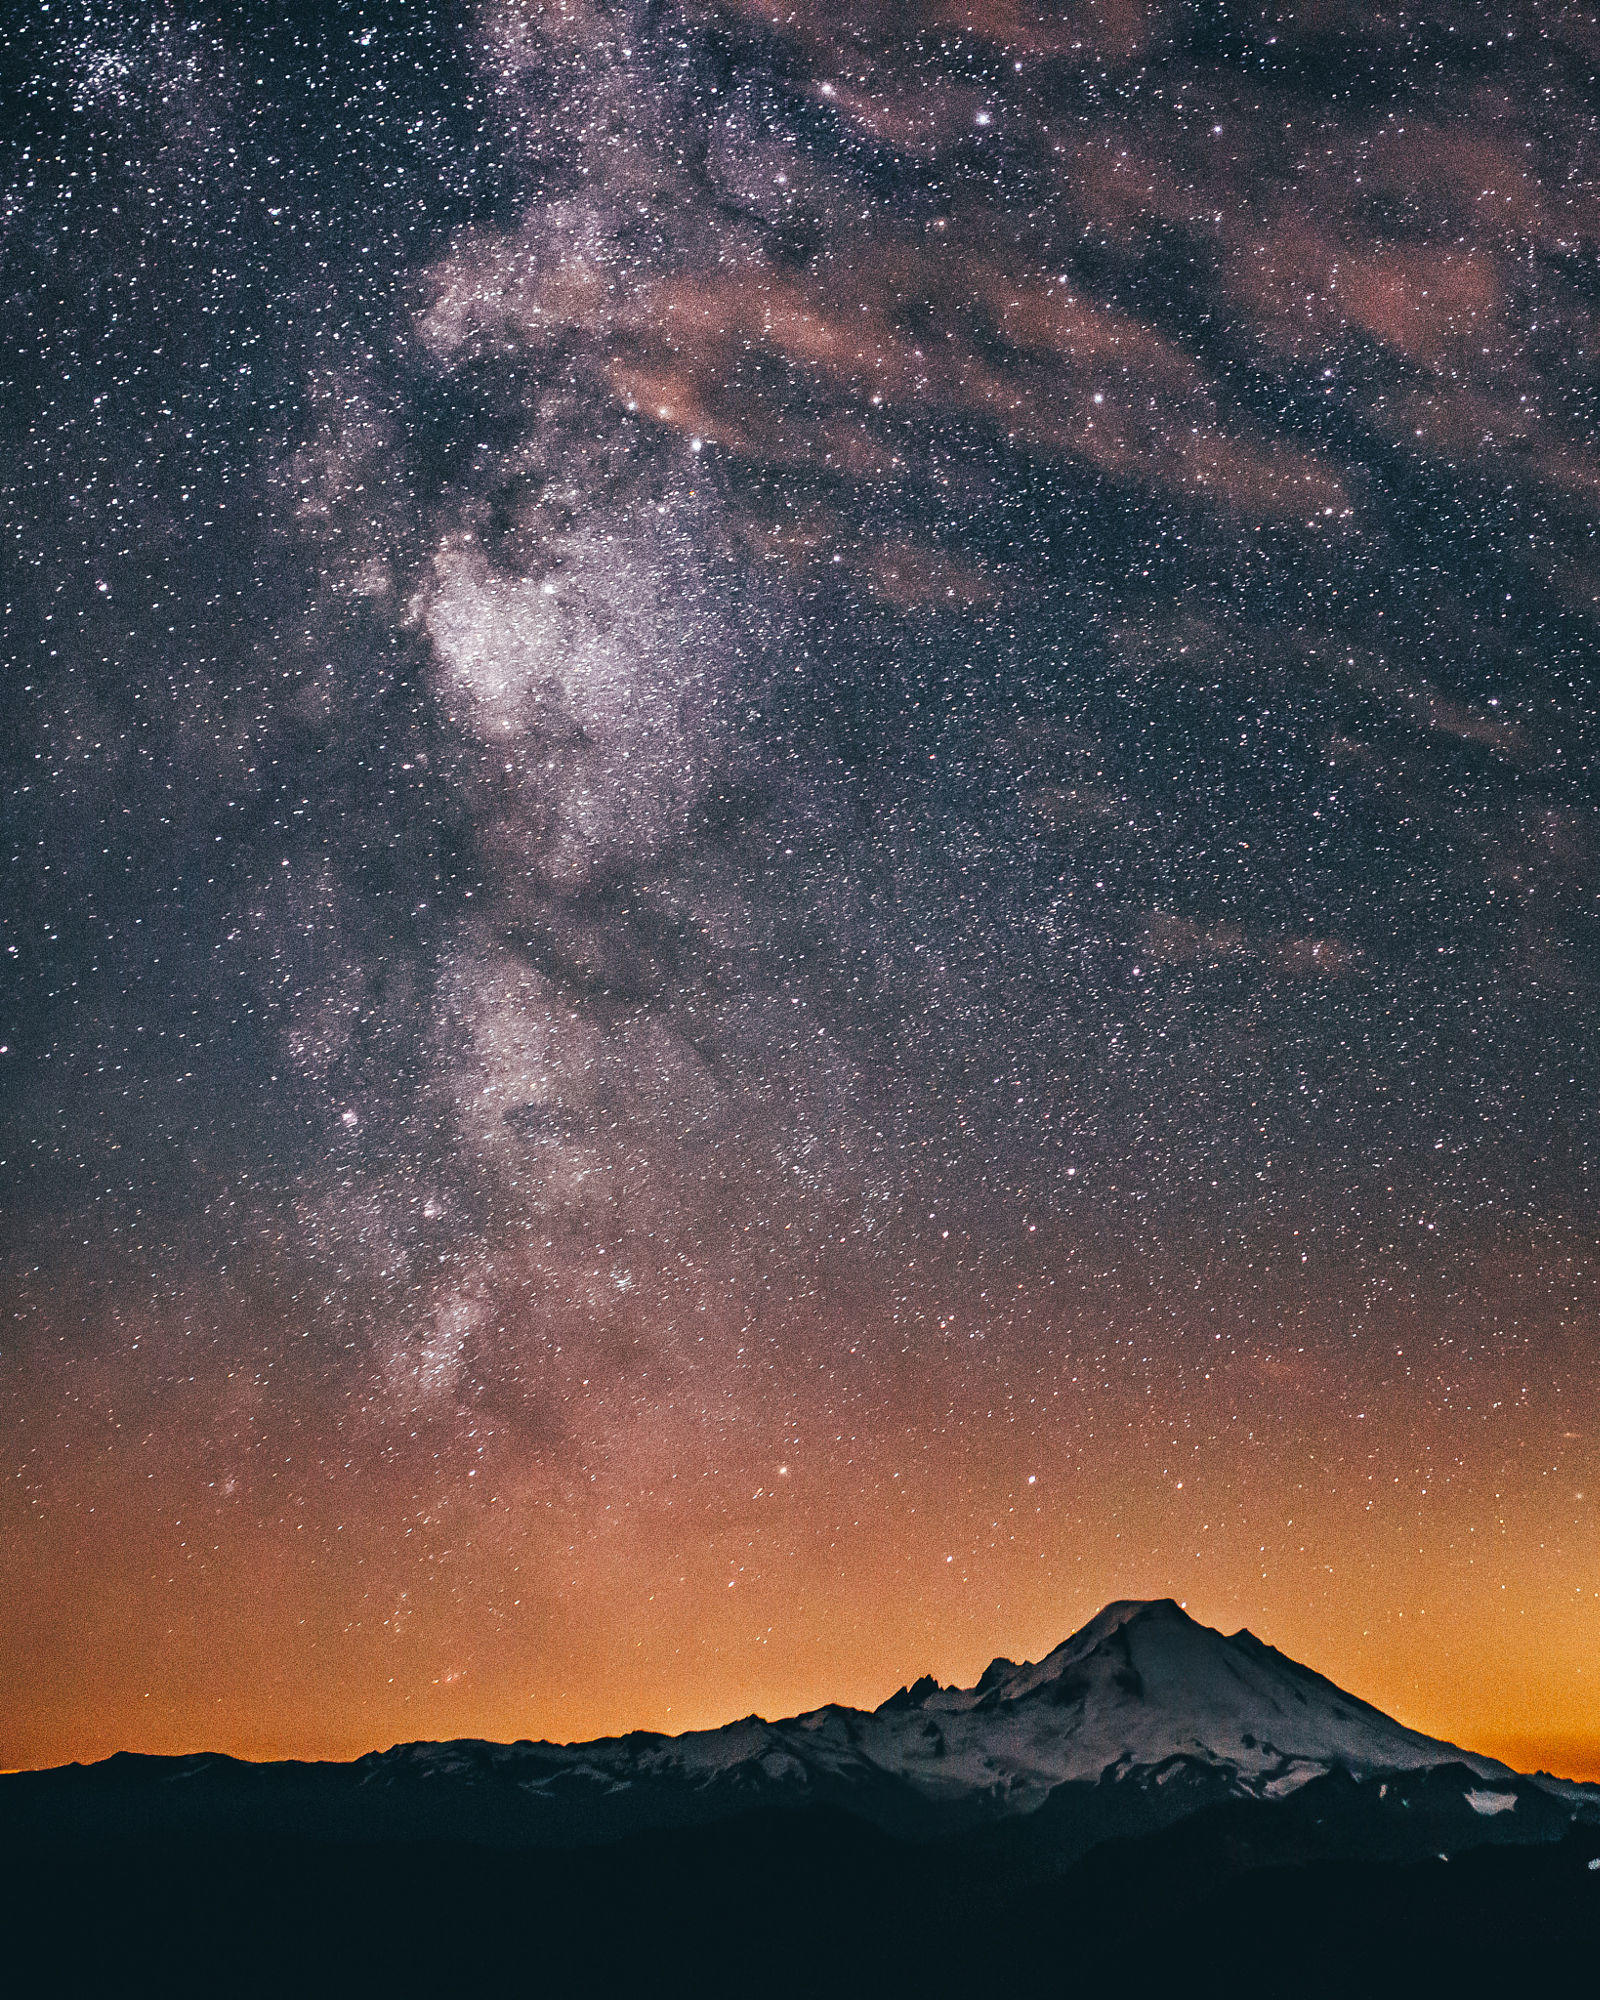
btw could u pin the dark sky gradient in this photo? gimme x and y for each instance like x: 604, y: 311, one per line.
x: 802, y: 839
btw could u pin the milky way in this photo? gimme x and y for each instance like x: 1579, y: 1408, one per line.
x: 803, y: 848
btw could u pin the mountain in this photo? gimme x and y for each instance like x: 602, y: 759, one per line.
x: 1144, y: 1776
x: 1143, y: 1700
x: 1138, y: 1689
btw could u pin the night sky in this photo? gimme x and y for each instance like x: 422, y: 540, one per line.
x: 802, y: 832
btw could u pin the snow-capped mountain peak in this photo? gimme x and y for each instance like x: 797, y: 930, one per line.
x: 1140, y: 1684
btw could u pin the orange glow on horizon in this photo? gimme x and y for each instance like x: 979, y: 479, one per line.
x: 280, y: 1576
